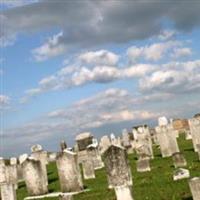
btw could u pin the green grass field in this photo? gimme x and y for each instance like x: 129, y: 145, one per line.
x: 155, y: 185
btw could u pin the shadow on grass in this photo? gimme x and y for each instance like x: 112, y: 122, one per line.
x: 189, y: 149
x: 51, y: 180
x: 187, y: 198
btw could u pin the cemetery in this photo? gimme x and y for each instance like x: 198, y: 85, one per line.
x: 162, y: 164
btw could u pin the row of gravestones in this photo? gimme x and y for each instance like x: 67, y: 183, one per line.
x: 115, y: 160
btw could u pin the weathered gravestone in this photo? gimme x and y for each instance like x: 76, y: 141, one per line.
x: 104, y: 143
x: 88, y: 167
x: 33, y: 175
x: 42, y: 156
x: 8, y: 192
x: 167, y: 140
x: 194, y: 124
x: 118, y: 172
x: 82, y: 142
x: 94, y: 153
x: 7, y: 188
x: 179, y: 160
x: 69, y: 172
x: 198, y: 149
x: 126, y: 142
x: 194, y: 184
x: 143, y: 137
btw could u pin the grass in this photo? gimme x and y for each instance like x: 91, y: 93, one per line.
x: 155, y: 185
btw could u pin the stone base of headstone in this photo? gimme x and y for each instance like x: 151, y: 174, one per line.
x: 143, y: 165
x: 123, y: 193
x: 181, y: 174
x: 179, y: 160
x: 188, y: 135
x: 8, y: 192
x: 194, y: 184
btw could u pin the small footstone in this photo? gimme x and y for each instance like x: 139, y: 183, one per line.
x: 65, y: 197
x: 181, y: 174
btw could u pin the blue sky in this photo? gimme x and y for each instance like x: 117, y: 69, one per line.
x: 108, y: 66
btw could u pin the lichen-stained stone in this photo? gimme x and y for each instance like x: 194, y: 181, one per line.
x: 8, y: 192
x: 34, y: 177
x: 143, y: 164
x: 117, y: 168
x: 69, y: 172
x: 179, y: 160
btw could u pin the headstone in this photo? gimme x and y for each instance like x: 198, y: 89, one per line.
x: 83, y: 140
x: 34, y: 177
x: 118, y: 171
x: 104, y: 143
x: 181, y: 174
x: 2, y: 171
x: 162, y: 121
x: 12, y: 172
x: 8, y: 192
x: 179, y: 160
x: 94, y: 153
x: 69, y: 172
x: 143, y: 164
x: 143, y: 138
x: 63, y: 145
x: 88, y: 169
x: 42, y: 156
x: 167, y: 140
x: 194, y: 124
x: 52, y: 157
x: 194, y: 184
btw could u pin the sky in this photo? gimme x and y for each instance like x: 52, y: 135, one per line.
x: 68, y: 67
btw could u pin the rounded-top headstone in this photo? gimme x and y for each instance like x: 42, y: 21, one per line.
x: 162, y: 121
x: 13, y: 161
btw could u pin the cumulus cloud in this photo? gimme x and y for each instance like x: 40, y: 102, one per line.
x: 49, y: 49
x: 181, y: 52
x: 101, y: 57
x: 101, y: 22
x: 174, y: 77
x: 153, y: 52
x: 71, y: 76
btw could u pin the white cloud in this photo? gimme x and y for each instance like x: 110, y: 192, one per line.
x: 153, y: 52
x: 174, y: 77
x: 181, y: 52
x: 101, y: 57
x: 4, y: 101
x: 166, y: 34
x: 73, y: 76
x: 49, y: 49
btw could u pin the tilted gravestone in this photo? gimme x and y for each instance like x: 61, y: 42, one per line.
x: 118, y: 172
x: 194, y: 124
x: 41, y: 156
x: 33, y: 175
x: 69, y: 172
x: 194, y: 184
